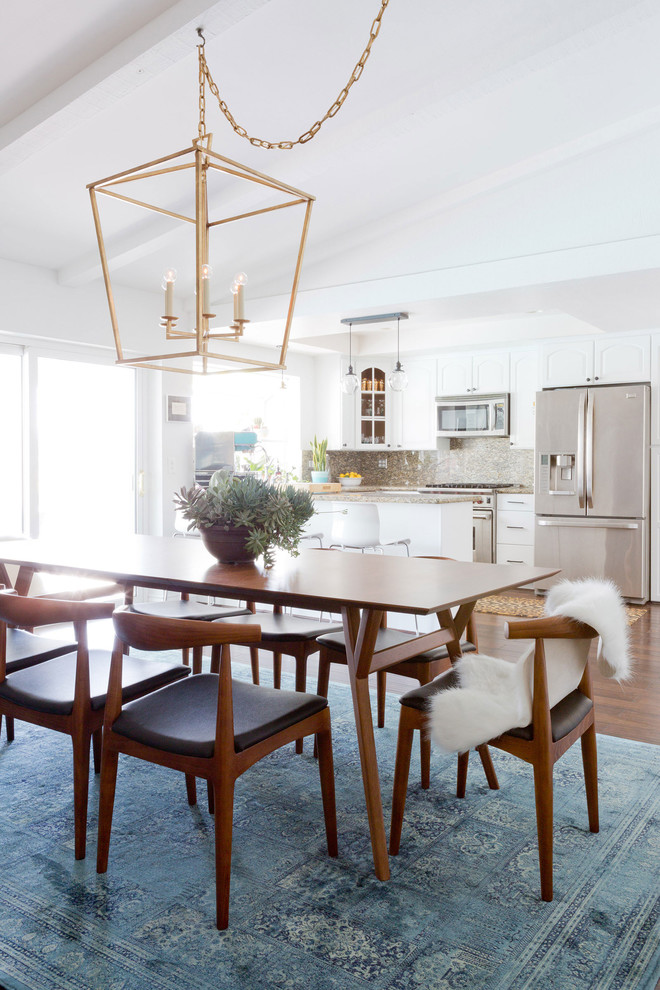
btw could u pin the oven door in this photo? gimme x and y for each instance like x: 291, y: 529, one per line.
x: 482, y: 536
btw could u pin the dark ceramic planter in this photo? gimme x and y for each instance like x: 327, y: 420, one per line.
x: 227, y: 544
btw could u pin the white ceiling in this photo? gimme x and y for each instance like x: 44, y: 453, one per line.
x: 494, y: 172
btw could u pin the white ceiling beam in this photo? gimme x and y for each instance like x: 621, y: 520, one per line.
x: 139, y: 57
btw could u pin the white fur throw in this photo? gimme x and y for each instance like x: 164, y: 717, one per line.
x: 496, y: 695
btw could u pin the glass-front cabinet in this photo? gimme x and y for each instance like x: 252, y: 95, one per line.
x: 372, y: 415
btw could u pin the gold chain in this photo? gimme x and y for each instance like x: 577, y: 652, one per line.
x: 201, y: 127
x: 204, y: 72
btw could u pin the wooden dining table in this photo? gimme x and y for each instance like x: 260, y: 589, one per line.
x: 362, y: 587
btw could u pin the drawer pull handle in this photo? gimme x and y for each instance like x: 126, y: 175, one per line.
x: 515, y: 501
x: 515, y: 561
x: 515, y: 527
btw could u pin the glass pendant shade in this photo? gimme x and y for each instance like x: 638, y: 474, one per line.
x: 349, y: 382
x: 397, y: 379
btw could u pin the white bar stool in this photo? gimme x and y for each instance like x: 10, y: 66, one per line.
x: 360, y: 530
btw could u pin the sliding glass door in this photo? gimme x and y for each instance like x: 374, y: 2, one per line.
x: 11, y: 442
x: 85, y: 435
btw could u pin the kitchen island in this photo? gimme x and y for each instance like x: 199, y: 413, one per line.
x: 436, y: 525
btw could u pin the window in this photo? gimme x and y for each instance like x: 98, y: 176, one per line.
x: 268, y: 405
x: 86, y: 447
x: 11, y: 443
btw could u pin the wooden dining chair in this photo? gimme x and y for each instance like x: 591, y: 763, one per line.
x: 285, y: 635
x: 552, y: 731
x: 25, y: 649
x: 208, y: 726
x: 423, y: 668
x: 184, y: 607
x: 67, y: 693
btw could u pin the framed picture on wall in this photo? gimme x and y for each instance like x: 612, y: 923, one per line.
x: 179, y: 409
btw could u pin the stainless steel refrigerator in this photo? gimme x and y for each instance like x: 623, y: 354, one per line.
x: 592, y: 485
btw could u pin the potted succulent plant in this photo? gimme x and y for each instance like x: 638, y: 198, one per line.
x: 242, y: 518
x: 320, y: 471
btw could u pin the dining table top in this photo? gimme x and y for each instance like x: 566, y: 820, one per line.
x: 317, y: 578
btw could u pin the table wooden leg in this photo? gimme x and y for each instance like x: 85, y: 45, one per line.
x: 360, y: 635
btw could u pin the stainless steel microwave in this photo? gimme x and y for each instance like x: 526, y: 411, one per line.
x: 472, y: 416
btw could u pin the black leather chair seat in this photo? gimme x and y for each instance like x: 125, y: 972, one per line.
x: 181, y: 718
x: 24, y: 649
x: 280, y: 628
x: 49, y: 687
x: 177, y: 609
x: 420, y: 697
x: 565, y: 715
x: 387, y: 638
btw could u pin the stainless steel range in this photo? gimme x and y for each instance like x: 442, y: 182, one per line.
x: 484, y: 501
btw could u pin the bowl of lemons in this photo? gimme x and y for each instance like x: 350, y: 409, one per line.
x: 350, y: 480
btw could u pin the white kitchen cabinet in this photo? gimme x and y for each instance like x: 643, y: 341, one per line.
x: 515, y: 529
x: 376, y: 418
x: 485, y: 372
x: 413, y: 410
x: 605, y: 360
x: 367, y: 415
x: 524, y: 370
x: 622, y: 359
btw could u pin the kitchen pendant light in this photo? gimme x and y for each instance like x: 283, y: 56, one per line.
x: 397, y: 379
x: 349, y: 381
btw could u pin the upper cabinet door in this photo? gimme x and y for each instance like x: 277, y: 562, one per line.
x: 622, y: 359
x: 567, y: 363
x: 605, y: 360
x: 524, y: 386
x: 462, y: 374
x: 415, y: 430
x: 490, y: 372
x: 455, y: 374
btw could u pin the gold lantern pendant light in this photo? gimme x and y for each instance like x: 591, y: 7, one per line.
x: 202, y: 353
x: 202, y: 348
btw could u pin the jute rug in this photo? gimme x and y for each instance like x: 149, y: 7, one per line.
x: 532, y: 608
x: 461, y: 910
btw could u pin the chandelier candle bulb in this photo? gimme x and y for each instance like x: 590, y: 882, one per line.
x: 238, y: 288
x: 169, y: 278
x: 207, y: 271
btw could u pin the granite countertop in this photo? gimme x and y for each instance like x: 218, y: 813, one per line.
x: 516, y: 490
x: 372, y: 493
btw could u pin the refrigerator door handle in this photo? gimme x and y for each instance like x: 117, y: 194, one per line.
x: 580, y: 450
x: 592, y: 524
x: 589, y: 452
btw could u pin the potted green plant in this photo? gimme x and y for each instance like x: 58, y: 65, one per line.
x: 240, y: 519
x: 319, y: 460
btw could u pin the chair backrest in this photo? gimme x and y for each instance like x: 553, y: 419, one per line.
x: 557, y: 660
x: 360, y: 527
x: 148, y: 632
x: 26, y: 613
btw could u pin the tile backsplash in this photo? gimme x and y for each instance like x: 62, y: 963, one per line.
x: 479, y: 459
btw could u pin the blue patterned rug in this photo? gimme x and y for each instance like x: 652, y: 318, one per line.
x: 462, y: 908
